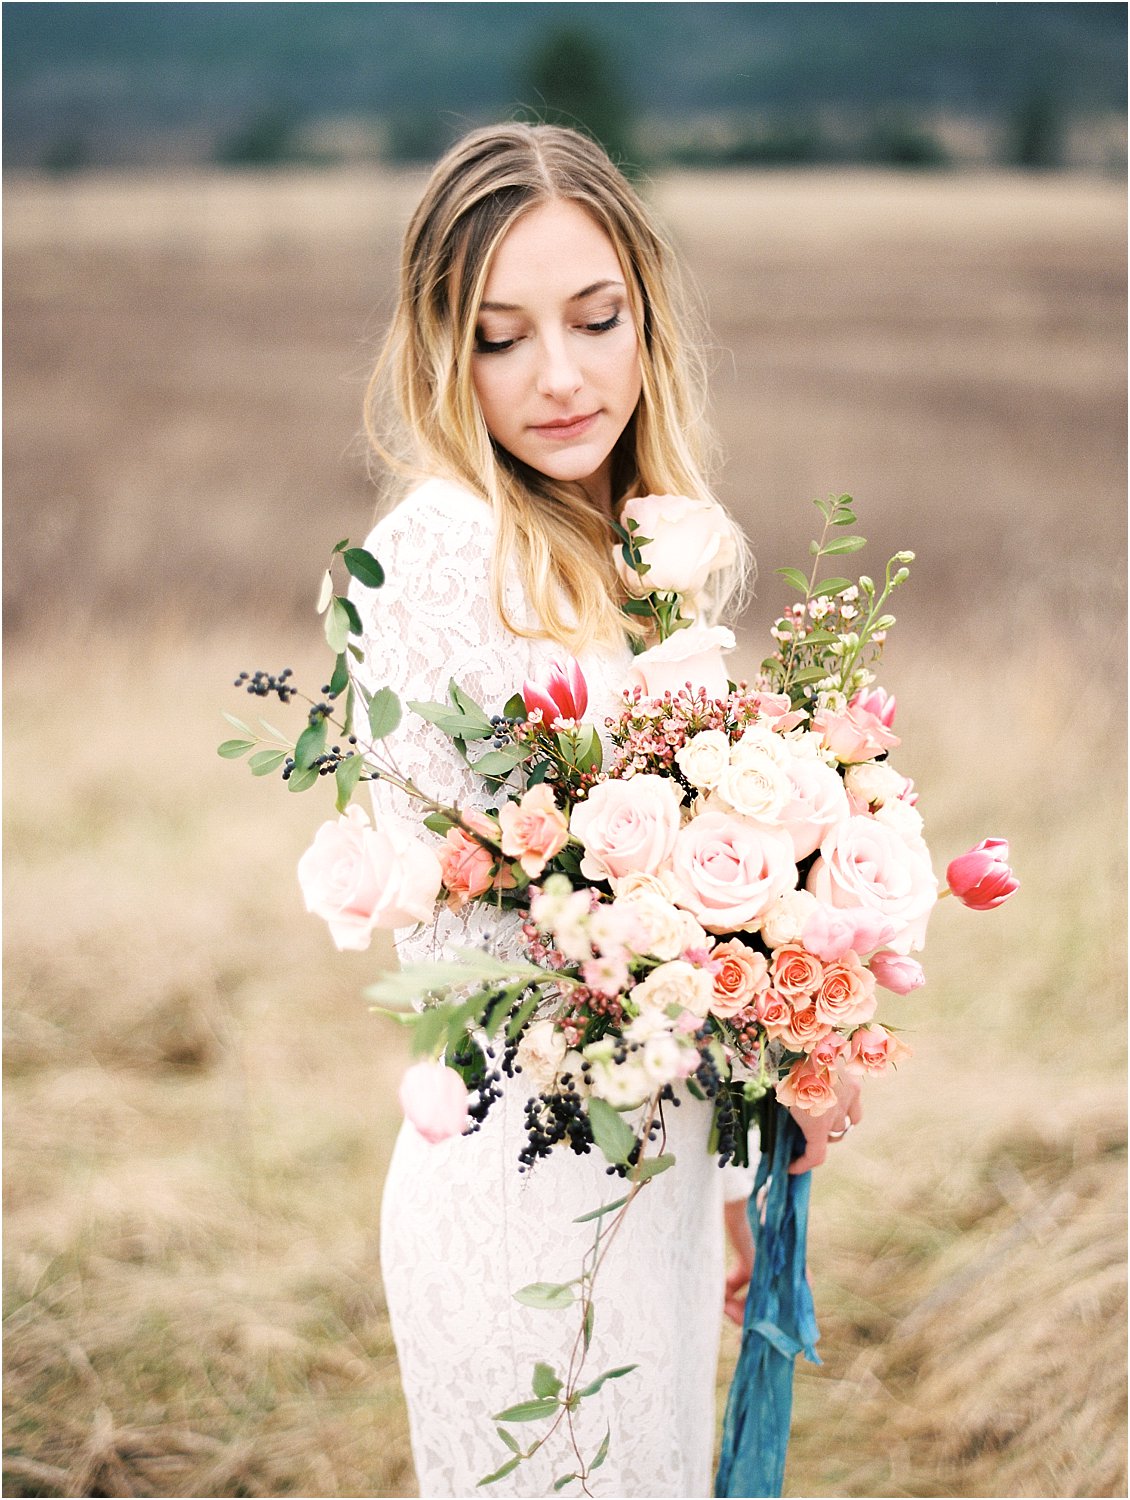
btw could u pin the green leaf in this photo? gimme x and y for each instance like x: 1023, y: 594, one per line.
x: 843, y: 517
x: 809, y: 674
x: 588, y: 748
x: 310, y: 744
x: 233, y: 749
x: 438, y: 823
x: 337, y: 625
x: 347, y: 774
x: 340, y: 679
x: 352, y: 616
x: 355, y: 651
x: 590, y: 1312
x: 507, y: 1468
x: 546, y: 1382
x: 515, y: 707
x: 842, y: 544
x: 301, y: 781
x: 611, y: 1132
x: 795, y: 577
x: 384, y: 713
x: 364, y: 567
x: 563, y: 1480
x: 467, y: 705
x: 444, y: 717
x: 263, y: 762
x: 501, y: 762
x: 548, y: 1295
x: 595, y: 1385
x: 651, y: 1166
x: 325, y: 593
x: 605, y: 1208
x: 276, y: 734
x: 602, y: 1451
x: 341, y: 546
x: 527, y: 1411
x: 638, y: 607
x: 509, y: 1439
x: 831, y: 586
x: 237, y: 723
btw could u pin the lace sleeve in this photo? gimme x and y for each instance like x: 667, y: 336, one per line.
x: 434, y: 620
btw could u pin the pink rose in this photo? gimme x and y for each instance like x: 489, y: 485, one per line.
x: 730, y: 871
x: 827, y: 1052
x: 818, y: 802
x: 873, y: 1049
x: 741, y: 977
x: 981, y: 878
x: 877, y: 701
x: 627, y: 826
x: 681, y: 542
x: 776, y: 709
x: 847, y: 993
x: 774, y: 1012
x: 359, y: 878
x: 897, y: 973
x: 561, y: 693
x: 796, y: 973
x: 865, y: 864
x: 468, y: 867
x: 692, y: 656
x: 830, y: 933
x: 534, y: 829
x: 808, y: 1088
x: 856, y: 734
x: 434, y: 1098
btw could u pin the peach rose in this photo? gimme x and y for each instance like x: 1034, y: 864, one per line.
x: 804, y: 1029
x: 357, y: 877
x: 742, y: 977
x: 469, y: 868
x: 808, y: 1088
x: 627, y: 825
x: 434, y: 1098
x: 682, y: 541
x: 691, y: 656
x: 828, y: 1051
x: 847, y: 993
x: 796, y: 973
x: 774, y: 1012
x: 730, y: 871
x: 856, y: 734
x: 864, y: 864
x: 873, y: 1049
x: 534, y: 829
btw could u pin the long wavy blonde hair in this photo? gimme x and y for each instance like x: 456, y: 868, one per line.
x: 561, y: 540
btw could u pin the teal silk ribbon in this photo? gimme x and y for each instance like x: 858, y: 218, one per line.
x: 780, y: 1323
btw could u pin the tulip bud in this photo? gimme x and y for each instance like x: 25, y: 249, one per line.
x: 561, y: 693
x: 981, y: 878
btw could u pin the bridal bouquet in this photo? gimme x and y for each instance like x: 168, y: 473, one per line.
x: 708, y: 891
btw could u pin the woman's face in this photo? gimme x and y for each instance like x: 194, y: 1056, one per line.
x: 556, y: 366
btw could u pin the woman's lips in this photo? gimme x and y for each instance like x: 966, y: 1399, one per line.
x: 575, y: 428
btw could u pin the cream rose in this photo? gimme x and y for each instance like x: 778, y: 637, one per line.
x: 862, y: 863
x: 663, y: 930
x: 785, y: 919
x: 541, y: 1053
x: 676, y: 983
x: 755, y: 787
x: 682, y: 541
x: 873, y: 783
x: 730, y: 871
x: 704, y: 758
x: 691, y: 656
x: 627, y: 826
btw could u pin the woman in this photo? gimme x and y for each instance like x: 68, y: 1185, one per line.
x: 539, y: 364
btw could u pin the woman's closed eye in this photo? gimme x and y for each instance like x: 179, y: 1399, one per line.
x: 483, y: 345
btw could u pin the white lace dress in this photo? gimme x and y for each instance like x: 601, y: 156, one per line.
x: 461, y: 1228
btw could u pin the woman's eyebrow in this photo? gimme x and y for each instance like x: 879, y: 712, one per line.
x: 597, y: 286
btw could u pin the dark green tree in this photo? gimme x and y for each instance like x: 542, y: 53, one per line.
x: 569, y: 79
x: 1037, y: 131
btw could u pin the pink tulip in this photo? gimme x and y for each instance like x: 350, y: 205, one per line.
x: 878, y: 702
x: 897, y: 973
x: 561, y: 694
x: 434, y: 1098
x: 981, y: 878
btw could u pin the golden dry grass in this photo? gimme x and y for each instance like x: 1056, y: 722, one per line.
x: 199, y: 1108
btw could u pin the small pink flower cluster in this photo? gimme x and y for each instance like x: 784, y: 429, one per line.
x: 650, y: 731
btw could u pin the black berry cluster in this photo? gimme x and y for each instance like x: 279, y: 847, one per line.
x: 263, y: 684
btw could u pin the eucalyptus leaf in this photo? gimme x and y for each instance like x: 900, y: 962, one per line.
x: 325, y: 593
x: 499, y: 763
x: 602, y: 1451
x: 562, y: 1480
x: 605, y: 1208
x: 233, y: 749
x: 515, y: 707
x: 546, y: 1382
x: 385, y: 713
x: 595, y: 1385
x: 507, y: 1468
x: 651, y: 1166
x: 341, y: 546
x: 340, y: 679
x: 302, y: 781
x: 467, y: 705
x: 444, y: 717
x: 548, y: 1295
x: 509, y: 1439
x: 611, y: 1132
x: 355, y: 651
x: 795, y: 577
x: 263, y: 762
x: 310, y: 744
x: 527, y: 1411
x: 841, y: 544
x: 276, y: 734
x: 352, y: 616
x: 337, y: 625
x: 347, y: 774
x: 237, y: 723
x: 364, y: 567
x: 438, y: 823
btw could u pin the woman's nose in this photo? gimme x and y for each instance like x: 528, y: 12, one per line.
x: 558, y: 375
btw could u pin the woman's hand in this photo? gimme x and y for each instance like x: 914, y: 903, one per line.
x: 832, y: 1125
x: 741, y: 1242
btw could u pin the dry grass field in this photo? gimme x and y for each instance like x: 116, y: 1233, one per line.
x: 199, y: 1108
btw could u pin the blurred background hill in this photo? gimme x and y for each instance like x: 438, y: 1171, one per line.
x: 912, y: 84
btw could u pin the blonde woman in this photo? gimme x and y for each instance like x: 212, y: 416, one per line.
x: 542, y: 374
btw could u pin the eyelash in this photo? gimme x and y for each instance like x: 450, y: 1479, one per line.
x: 486, y: 346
